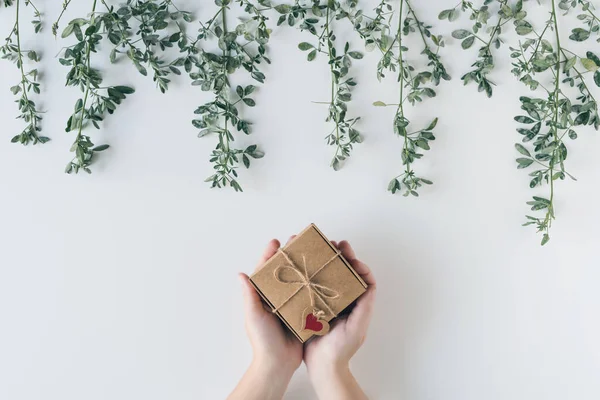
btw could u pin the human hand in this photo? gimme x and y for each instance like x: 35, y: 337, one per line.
x: 274, y: 348
x: 327, y: 357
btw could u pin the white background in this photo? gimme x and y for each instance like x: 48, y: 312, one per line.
x: 122, y: 285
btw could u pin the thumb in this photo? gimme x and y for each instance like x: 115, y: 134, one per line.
x: 252, y: 302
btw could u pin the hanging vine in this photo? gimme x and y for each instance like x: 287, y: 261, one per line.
x: 140, y: 29
x: 317, y: 18
x: 541, y: 61
x: 97, y: 101
x: 28, y: 85
x: 241, y: 48
x: 153, y: 22
x: 414, y: 86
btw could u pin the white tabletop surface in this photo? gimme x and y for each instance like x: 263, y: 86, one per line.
x: 121, y: 285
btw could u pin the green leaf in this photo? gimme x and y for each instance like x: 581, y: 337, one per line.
x: 521, y: 149
x: 124, y: 89
x: 102, y: 147
x: 432, y: 124
x: 335, y: 164
x: 523, y: 28
x: 589, y: 64
x: 582, y: 119
x: 460, y: 34
x: 468, y: 42
x: 444, y: 14
x: 394, y: 185
x: 524, y: 162
x: 524, y: 119
x: 545, y: 239
x: 305, y: 46
x: 593, y: 57
x: 379, y: 104
x: 453, y: 16
x: 570, y: 63
x: 67, y: 31
x: 312, y: 55
x: 422, y: 143
x: 355, y: 54
x: 283, y: 8
x: 141, y: 69
x: 249, y: 102
x: 579, y: 35
x: 597, y: 78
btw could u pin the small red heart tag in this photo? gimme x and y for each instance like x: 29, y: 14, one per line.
x: 311, y: 322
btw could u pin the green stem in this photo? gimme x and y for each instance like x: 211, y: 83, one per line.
x: 550, y: 214
x: 87, y: 86
x: 580, y: 76
x: 221, y: 10
x: 64, y: 8
x: 24, y: 79
x: 327, y: 33
x: 418, y: 23
x: 496, y: 28
x: 225, y: 133
x: 35, y: 8
x: 593, y: 15
x: 540, y: 36
x: 400, y: 110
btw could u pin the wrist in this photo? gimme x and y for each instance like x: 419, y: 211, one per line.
x: 334, y: 381
x: 328, y: 373
x: 281, y: 372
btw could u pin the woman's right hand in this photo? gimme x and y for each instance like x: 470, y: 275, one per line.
x: 327, y: 357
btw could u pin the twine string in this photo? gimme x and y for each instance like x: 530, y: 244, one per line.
x: 317, y: 290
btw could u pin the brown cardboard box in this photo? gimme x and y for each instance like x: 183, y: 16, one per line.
x: 308, y: 283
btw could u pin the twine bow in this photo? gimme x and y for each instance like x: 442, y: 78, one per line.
x: 317, y: 290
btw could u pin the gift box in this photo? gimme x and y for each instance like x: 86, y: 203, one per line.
x: 307, y: 283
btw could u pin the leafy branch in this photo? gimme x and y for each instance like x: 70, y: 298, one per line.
x: 317, y: 19
x: 488, y: 35
x: 153, y: 20
x: 97, y: 100
x: 559, y: 113
x: 554, y: 115
x: 56, y: 23
x: 589, y: 18
x: 241, y: 48
x: 28, y: 85
x: 414, y: 85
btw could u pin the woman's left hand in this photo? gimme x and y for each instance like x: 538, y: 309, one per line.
x: 274, y: 347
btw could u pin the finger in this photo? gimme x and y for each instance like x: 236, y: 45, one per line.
x: 252, y: 301
x: 360, y: 267
x: 335, y: 244
x: 347, y: 250
x: 360, y: 317
x: 364, y: 271
x: 271, y: 249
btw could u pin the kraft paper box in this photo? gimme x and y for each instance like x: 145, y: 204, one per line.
x: 308, y: 283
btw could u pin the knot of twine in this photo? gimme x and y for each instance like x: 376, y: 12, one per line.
x: 317, y: 290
